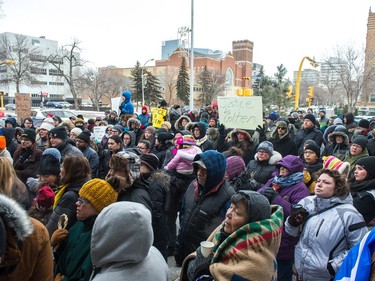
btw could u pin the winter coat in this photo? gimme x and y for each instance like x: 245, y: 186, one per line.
x: 126, y: 107
x: 73, y: 259
x: 12, y: 144
x: 303, y: 135
x: 133, y: 258
x: 160, y: 151
x: 42, y: 143
x: 137, y: 130
x: 335, y: 149
x: 65, y: 148
x: 104, y: 162
x: 332, y: 228
x: 261, y: 171
x: 65, y: 203
x: 5, y: 153
x: 203, y: 207
x: 178, y: 126
x: 26, y: 161
x: 286, y: 198
x: 144, y: 119
x: 159, y: 184
x: 137, y: 192
x: 93, y: 158
x: 371, y: 147
x: 182, y: 162
x: 285, y: 145
x: 353, y: 159
x: 32, y: 256
x: 247, y: 146
x: 202, y: 141
x: 363, y: 193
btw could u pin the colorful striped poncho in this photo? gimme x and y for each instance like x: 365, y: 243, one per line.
x: 249, y: 252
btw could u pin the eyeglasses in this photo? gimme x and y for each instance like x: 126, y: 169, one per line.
x: 139, y: 147
x: 28, y: 123
x: 82, y: 200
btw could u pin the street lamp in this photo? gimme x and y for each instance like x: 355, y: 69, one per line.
x: 314, y: 64
x: 143, y: 88
x: 191, y: 99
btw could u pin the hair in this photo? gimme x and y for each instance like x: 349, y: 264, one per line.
x: 233, y: 151
x: 28, y: 119
x: 76, y: 167
x: 240, y: 198
x: 117, y: 139
x: 118, y: 183
x: 146, y: 143
x: 68, y: 125
x: 341, y: 185
x: 102, y: 123
x: 121, y: 177
x: 10, y: 184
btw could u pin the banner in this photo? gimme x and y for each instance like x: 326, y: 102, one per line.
x: 158, y: 115
x: 115, y: 103
x: 241, y: 112
x: 23, y: 108
x: 99, y: 132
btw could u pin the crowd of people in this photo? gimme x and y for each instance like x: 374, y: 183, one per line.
x: 289, y: 199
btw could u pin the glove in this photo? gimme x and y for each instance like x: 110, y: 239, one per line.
x: 57, y: 237
x: 261, y: 130
x: 270, y: 193
x: 222, y: 129
x: 202, y: 264
x: 297, y: 217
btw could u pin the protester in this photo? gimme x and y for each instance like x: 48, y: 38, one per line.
x: 42, y: 206
x: 126, y: 106
x: 83, y: 144
x: 58, y: 138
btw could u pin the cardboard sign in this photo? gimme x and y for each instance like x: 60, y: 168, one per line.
x: 158, y: 115
x: 241, y: 112
x: 23, y: 108
x: 99, y: 132
x: 115, y: 103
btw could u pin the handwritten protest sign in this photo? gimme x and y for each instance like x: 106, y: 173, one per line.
x: 158, y: 115
x: 241, y: 112
x: 23, y: 109
x: 99, y: 132
x: 115, y: 103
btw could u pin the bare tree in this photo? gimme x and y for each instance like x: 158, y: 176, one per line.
x: 212, y: 84
x: 70, y: 54
x: 169, y: 80
x: 348, y: 66
x: 27, y: 61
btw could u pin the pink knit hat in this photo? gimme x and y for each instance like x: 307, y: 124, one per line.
x: 235, y: 166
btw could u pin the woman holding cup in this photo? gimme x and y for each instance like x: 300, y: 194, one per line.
x: 243, y: 245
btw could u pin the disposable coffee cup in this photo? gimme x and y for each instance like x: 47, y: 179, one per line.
x: 206, y: 248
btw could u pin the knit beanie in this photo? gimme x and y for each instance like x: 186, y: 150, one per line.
x: 85, y: 136
x: 163, y: 137
x: 47, y: 125
x: 310, y: 117
x: 195, y: 111
x: 337, y: 121
x: 281, y: 124
x: 54, y: 152
x: 333, y: 163
x: 91, y: 121
x: 45, y: 198
x: 163, y: 103
x: 368, y: 163
x: 235, y: 166
x: 29, y: 134
x: 99, y: 193
x: 150, y: 160
x: 49, y: 165
x: 76, y: 131
x: 361, y: 141
x: 188, y: 140
x: 79, y: 120
x: 258, y: 206
x: 58, y: 132
x: 118, y: 128
x: 151, y: 129
x: 273, y: 116
x: 266, y: 146
x: 3, y: 142
x: 167, y: 124
x: 364, y: 123
x: 134, y: 163
x: 314, y: 147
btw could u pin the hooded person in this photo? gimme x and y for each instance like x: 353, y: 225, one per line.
x: 126, y: 106
x: 135, y: 125
x: 338, y: 143
x: 163, y: 142
x: 3, y: 148
x: 144, y: 117
x: 204, y: 204
x: 72, y: 248
x: 199, y: 133
x: 309, y: 131
x: 10, y: 122
x: 11, y: 143
x: 242, y: 139
x: 181, y: 122
x: 245, y: 243
x: 27, y: 156
x: 129, y: 139
x: 134, y: 257
x: 282, y: 140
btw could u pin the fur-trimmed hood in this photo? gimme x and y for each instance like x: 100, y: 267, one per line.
x: 179, y: 121
x: 233, y: 135
x: 275, y: 157
x: 331, y: 137
x: 162, y: 177
x: 136, y: 121
x: 15, y: 218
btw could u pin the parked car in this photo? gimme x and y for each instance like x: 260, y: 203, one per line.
x: 66, y: 104
x: 62, y: 113
x: 10, y: 106
x: 54, y: 104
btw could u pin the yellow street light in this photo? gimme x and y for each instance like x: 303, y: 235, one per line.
x: 314, y: 64
x: 7, y: 62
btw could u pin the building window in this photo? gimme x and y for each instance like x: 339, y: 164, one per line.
x: 37, y: 82
x: 55, y: 72
x: 38, y: 58
x: 372, y: 98
x: 35, y: 42
x: 56, y: 83
x: 36, y: 70
x: 57, y: 60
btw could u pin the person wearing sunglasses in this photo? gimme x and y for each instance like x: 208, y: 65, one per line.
x: 72, y: 248
x: 282, y: 139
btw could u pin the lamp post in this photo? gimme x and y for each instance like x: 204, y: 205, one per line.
x: 191, y: 100
x: 143, y: 87
x: 314, y: 64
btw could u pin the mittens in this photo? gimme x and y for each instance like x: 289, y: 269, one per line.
x: 297, y: 217
x: 57, y: 237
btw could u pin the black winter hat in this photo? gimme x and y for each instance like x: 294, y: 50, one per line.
x: 163, y: 137
x: 85, y: 136
x: 361, y: 141
x: 310, y: 117
x: 59, y: 132
x: 163, y: 103
x: 29, y: 134
x: 150, y: 160
x: 314, y: 147
x: 49, y: 165
x: 368, y: 163
x: 364, y: 123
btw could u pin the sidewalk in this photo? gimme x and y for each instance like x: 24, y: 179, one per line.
x: 174, y: 272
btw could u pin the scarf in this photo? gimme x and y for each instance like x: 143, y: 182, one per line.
x: 248, y: 250
x: 289, y: 180
x: 201, y: 141
x: 358, y: 186
x: 59, y: 195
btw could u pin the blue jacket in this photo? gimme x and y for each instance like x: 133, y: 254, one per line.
x: 126, y: 106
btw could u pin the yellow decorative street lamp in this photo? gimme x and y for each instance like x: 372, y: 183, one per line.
x: 314, y: 64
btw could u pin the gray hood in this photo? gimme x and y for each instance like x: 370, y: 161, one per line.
x: 122, y: 233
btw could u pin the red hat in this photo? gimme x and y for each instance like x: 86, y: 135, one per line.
x: 45, y: 198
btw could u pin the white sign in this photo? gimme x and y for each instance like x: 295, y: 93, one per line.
x: 115, y: 104
x: 241, y: 112
x: 99, y: 132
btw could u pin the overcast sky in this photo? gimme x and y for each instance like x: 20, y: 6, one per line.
x: 120, y: 32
